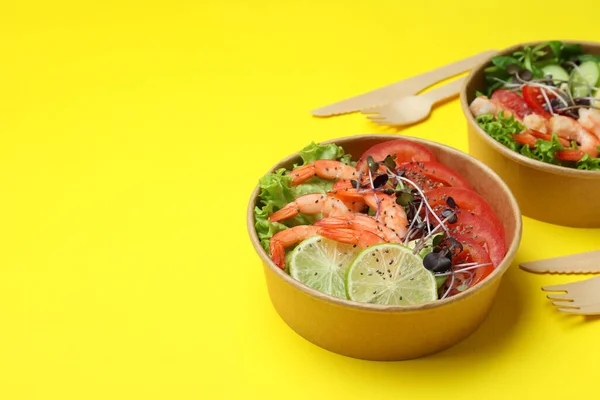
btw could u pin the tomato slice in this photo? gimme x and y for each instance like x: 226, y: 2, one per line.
x: 481, y: 232
x: 404, y: 151
x: 467, y: 201
x: 535, y: 99
x: 473, y: 253
x: 431, y: 174
x: 512, y: 102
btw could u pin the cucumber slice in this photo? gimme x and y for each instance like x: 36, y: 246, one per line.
x: 557, y: 72
x: 584, y: 76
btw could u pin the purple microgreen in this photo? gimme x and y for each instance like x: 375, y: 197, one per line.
x: 450, y: 285
x: 471, y: 267
x: 455, y: 244
x: 575, y: 108
x: 450, y: 202
x: 437, y: 262
x: 423, y: 197
x: 438, y: 239
x: 380, y: 181
x: 450, y: 215
x: 555, y: 91
x: 524, y: 75
x: 547, y: 102
x: 377, y: 201
x: 404, y: 199
x: 512, y: 68
x: 373, y: 166
x: 414, y: 219
x: 390, y: 162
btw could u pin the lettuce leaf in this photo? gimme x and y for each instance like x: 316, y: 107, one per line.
x: 544, y: 150
x: 276, y: 191
x: 588, y: 163
x: 315, y: 151
x: 502, y: 128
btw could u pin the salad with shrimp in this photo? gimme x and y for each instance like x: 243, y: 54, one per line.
x: 396, y: 227
x: 543, y: 101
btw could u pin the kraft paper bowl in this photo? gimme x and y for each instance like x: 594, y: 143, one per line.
x: 376, y: 332
x: 549, y: 193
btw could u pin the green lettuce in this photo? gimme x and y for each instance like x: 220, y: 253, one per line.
x: 588, y: 163
x: 502, y: 129
x: 544, y: 150
x: 276, y: 191
x: 315, y: 151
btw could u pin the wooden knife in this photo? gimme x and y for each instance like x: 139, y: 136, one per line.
x: 582, y: 263
x: 405, y: 87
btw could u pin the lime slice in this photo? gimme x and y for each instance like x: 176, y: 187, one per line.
x: 321, y: 264
x: 390, y: 274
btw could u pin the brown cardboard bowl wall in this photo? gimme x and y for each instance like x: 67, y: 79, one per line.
x: 376, y: 332
x: 549, y: 193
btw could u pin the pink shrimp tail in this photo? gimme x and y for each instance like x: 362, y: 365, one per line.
x: 278, y: 253
x: 302, y: 174
x: 283, y: 214
x: 349, y: 194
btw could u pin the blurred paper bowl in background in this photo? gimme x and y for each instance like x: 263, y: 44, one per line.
x: 546, y: 192
x: 375, y: 332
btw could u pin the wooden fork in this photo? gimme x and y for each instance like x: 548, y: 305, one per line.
x: 581, y: 297
x: 410, y: 109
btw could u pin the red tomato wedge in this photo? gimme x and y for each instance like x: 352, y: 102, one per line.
x: 466, y: 200
x: 403, y: 150
x: 431, y: 174
x: 473, y: 253
x: 535, y: 99
x: 481, y: 232
x: 512, y: 101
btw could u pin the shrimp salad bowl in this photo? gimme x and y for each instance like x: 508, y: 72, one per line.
x: 533, y: 116
x: 371, y: 244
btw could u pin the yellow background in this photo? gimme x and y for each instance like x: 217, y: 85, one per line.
x: 132, y: 136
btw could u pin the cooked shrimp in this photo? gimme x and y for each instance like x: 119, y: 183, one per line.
x: 359, y: 238
x: 590, y: 120
x: 314, y: 203
x: 360, y: 222
x: 482, y: 105
x: 292, y: 236
x: 391, y: 214
x: 530, y: 138
x: 536, y: 122
x: 289, y: 237
x: 570, y: 129
x: 326, y: 169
